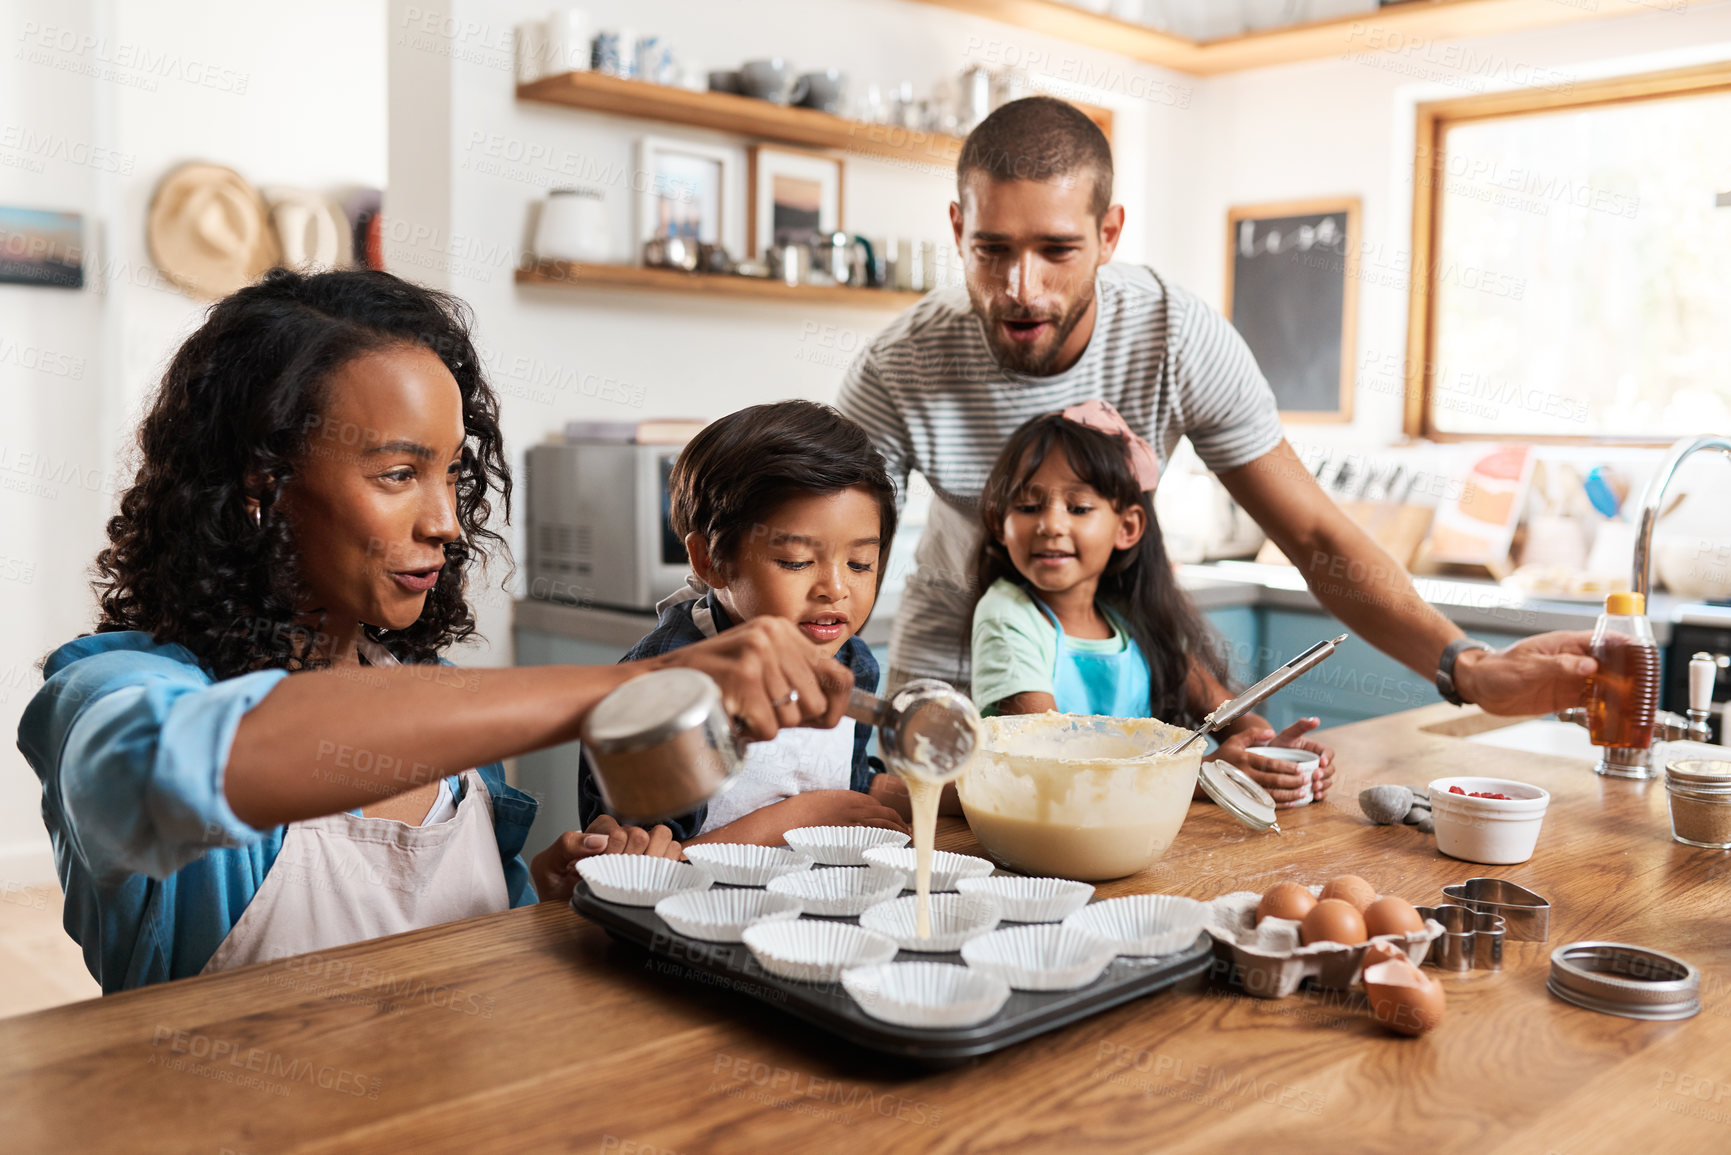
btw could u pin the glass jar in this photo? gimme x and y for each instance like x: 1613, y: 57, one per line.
x: 1699, y: 791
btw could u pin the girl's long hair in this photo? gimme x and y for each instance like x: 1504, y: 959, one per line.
x: 187, y: 563
x: 1138, y: 584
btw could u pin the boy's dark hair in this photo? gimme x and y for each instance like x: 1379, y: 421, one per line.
x: 1137, y: 584
x: 1038, y: 138
x: 735, y: 473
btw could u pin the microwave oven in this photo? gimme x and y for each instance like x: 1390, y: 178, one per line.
x: 600, y: 525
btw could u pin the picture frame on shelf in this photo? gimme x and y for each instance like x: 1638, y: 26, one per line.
x: 794, y: 194
x: 686, y: 190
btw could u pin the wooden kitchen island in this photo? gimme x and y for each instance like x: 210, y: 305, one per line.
x: 533, y: 1031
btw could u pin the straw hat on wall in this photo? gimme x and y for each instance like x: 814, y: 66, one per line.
x: 209, y: 231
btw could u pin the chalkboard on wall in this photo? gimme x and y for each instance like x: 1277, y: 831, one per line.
x: 1292, y: 294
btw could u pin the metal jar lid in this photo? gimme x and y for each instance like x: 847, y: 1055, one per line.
x: 1239, y: 795
x: 1615, y: 978
x: 650, y: 709
x: 1700, y: 775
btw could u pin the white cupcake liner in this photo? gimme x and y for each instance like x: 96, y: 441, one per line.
x: 841, y: 845
x: 745, y: 863
x: 842, y: 890
x: 926, y: 994
x: 948, y: 868
x: 1143, y: 924
x: 812, y: 951
x: 723, y: 915
x: 1040, y: 958
x: 638, y: 879
x: 956, y: 918
x: 1030, y: 899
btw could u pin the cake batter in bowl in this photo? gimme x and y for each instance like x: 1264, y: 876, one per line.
x: 1078, y: 796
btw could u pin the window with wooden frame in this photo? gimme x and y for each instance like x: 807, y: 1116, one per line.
x: 1572, y: 271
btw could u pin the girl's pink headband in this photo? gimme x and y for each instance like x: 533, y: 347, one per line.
x: 1101, y: 416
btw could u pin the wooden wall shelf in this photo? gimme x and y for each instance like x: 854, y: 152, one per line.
x: 1365, y: 32
x: 572, y: 275
x: 746, y: 116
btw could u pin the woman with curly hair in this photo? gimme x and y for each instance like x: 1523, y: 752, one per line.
x: 260, y: 752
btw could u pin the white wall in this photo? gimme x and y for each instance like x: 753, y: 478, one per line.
x: 97, y: 99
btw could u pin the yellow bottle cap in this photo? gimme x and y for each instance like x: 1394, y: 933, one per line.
x: 1627, y: 604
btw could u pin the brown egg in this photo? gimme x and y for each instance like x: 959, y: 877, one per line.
x: 1285, y: 900
x: 1403, y: 998
x: 1391, y: 915
x: 1351, y: 888
x: 1332, y: 920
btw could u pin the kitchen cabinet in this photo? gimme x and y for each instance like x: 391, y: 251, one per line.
x: 1240, y: 629
x: 1357, y: 683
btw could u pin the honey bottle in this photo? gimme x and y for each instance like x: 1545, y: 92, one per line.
x: 1624, y: 691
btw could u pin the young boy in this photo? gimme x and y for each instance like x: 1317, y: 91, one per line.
x: 786, y: 510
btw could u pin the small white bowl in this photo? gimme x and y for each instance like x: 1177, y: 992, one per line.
x: 1040, y: 958
x: 745, y: 863
x: 1494, y: 831
x: 809, y: 950
x: 1143, y: 924
x: 956, y: 918
x: 723, y: 915
x: 841, y: 845
x: 926, y: 994
x: 841, y: 891
x: 947, y: 868
x: 639, y: 880
x: 1307, y: 762
x: 1022, y: 899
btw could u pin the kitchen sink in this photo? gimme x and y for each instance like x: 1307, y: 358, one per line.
x: 1559, y: 739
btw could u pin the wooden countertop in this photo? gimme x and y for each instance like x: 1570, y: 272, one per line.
x: 532, y: 1031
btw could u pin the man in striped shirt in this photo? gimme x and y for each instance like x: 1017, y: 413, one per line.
x: 1046, y: 322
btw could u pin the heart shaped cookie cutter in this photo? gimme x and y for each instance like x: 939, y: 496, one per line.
x: 1526, y: 916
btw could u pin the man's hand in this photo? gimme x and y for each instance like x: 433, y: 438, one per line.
x: 770, y: 675
x: 554, y: 870
x: 1537, y: 675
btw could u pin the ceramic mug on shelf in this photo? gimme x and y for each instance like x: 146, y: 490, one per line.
x: 573, y: 226
x: 825, y: 91
x: 615, y: 52
x: 771, y: 79
x: 566, y: 47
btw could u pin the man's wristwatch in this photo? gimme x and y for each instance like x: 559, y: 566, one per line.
x: 1445, y: 667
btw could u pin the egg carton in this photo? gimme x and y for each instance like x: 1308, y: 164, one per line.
x: 1268, y: 962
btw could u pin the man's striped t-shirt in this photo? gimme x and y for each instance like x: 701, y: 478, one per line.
x: 934, y: 399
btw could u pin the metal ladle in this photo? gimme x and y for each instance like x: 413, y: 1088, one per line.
x: 926, y: 729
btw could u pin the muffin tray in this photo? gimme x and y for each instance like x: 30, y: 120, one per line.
x: 828, y: 1006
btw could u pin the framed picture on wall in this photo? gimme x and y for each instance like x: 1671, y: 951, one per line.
x: 794, y: 196
x: 685, y: 190
x: 1292, y: 294
x: 42, y: 248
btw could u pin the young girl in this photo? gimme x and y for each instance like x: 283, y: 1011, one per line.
x: 1079, y: 610
x: 786, y: 511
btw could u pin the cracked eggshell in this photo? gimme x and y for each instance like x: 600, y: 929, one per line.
x: 1274, y: 974
x: 1403, y: 998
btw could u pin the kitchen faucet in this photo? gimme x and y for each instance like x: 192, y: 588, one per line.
x: 1667, y: 726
